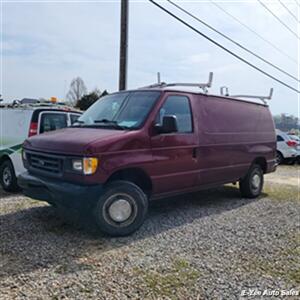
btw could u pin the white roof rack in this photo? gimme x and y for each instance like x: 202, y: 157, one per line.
x: 262, y: 98
x: 203, y: 86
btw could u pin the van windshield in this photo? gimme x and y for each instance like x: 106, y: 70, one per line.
x: 125, y: 110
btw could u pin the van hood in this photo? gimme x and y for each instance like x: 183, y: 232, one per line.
x: 73, y: 141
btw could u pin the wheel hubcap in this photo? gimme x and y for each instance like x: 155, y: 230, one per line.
x: 256, y: 181
x: 7, y: 176
x: 120, y: 210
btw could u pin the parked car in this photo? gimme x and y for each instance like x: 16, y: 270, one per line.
x: 20, y: 122
x: 296, y: 138
x: 286, y: 148
x: 135, y: 146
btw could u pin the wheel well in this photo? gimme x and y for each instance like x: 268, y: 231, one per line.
x: 135, y: 175
x: 3, y: 159
x: 262, y: 162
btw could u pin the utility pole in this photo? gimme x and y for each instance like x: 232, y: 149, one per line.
x: 123, y: 45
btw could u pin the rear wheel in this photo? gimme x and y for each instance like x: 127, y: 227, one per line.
x: 8, y: 177
x: 121, y: 209
x: 291, y: 161
x: 251, y: 185
x: 279, y: 158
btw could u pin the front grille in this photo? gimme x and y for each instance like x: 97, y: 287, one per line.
x: 46, y: 163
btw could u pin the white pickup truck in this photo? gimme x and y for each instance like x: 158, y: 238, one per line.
x: 20, y: 122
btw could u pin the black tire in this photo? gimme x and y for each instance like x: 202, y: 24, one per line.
x: 8, y: 177
x: 124, y: 195
x: 252, y: 184
x: 291, y: 161
x: 279, y: 158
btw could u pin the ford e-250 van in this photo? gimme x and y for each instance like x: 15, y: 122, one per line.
x: 134, y: 146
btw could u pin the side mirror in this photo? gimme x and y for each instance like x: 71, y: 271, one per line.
x: 169, y: 125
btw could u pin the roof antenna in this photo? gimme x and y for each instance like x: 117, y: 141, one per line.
x: 262, y: 98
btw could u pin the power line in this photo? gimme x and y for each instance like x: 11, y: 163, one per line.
x: 222, y: 47
x: 288, y: 10
x: 297, y: 3
x: 254, y: 32
x: 233, y: 41
x: 278, y: 19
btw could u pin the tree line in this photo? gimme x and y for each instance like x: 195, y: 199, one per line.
x: 287, y: 123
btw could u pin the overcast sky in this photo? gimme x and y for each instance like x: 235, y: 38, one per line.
x: 47, y: 43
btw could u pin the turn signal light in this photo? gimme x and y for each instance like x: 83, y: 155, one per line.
x: 90, y: 165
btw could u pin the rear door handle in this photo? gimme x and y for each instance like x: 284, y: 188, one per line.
x: 194, y: 153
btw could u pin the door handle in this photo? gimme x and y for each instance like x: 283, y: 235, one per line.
x: 194, y: 153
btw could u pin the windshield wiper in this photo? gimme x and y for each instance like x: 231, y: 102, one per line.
x: 110, y: 123
x: 105, y: 121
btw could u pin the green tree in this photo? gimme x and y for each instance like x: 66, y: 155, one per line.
x: 286, y: 122
x: 87, y: 100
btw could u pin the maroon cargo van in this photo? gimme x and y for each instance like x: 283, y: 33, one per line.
x: 134, y: 146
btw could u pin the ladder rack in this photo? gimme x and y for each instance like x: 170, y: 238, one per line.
x: 203, y: 86
x: 262, y: 98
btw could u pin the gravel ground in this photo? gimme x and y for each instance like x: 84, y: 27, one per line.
x: 208, y: 245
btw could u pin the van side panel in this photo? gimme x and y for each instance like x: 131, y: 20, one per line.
x: 232, y: 134
x: 14, y: 128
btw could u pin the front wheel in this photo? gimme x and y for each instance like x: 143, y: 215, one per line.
x: 252, y: 184
x: 8, y: 177
x: 121, y: 209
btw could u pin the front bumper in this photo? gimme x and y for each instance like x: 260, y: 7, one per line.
x: 58, y: 192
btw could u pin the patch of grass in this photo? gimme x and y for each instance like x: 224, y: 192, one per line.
x: 294, y: 276
x: 71, y: 267
x: 169, y: 282
x: 36, y: 202
x: 62, y: 269
x: 21, y: 206
x: 282, y: 192
x: 284, y: 264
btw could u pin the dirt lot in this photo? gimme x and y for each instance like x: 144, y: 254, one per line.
x: 208, y: 245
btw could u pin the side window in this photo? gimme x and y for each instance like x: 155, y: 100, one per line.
x: 52, y: 121
x: 74, y: 118
x: 279, y: 138
x: 178, y: 106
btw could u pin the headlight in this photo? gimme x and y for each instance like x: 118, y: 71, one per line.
x: 77, y: 165
x: 87, y: 165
